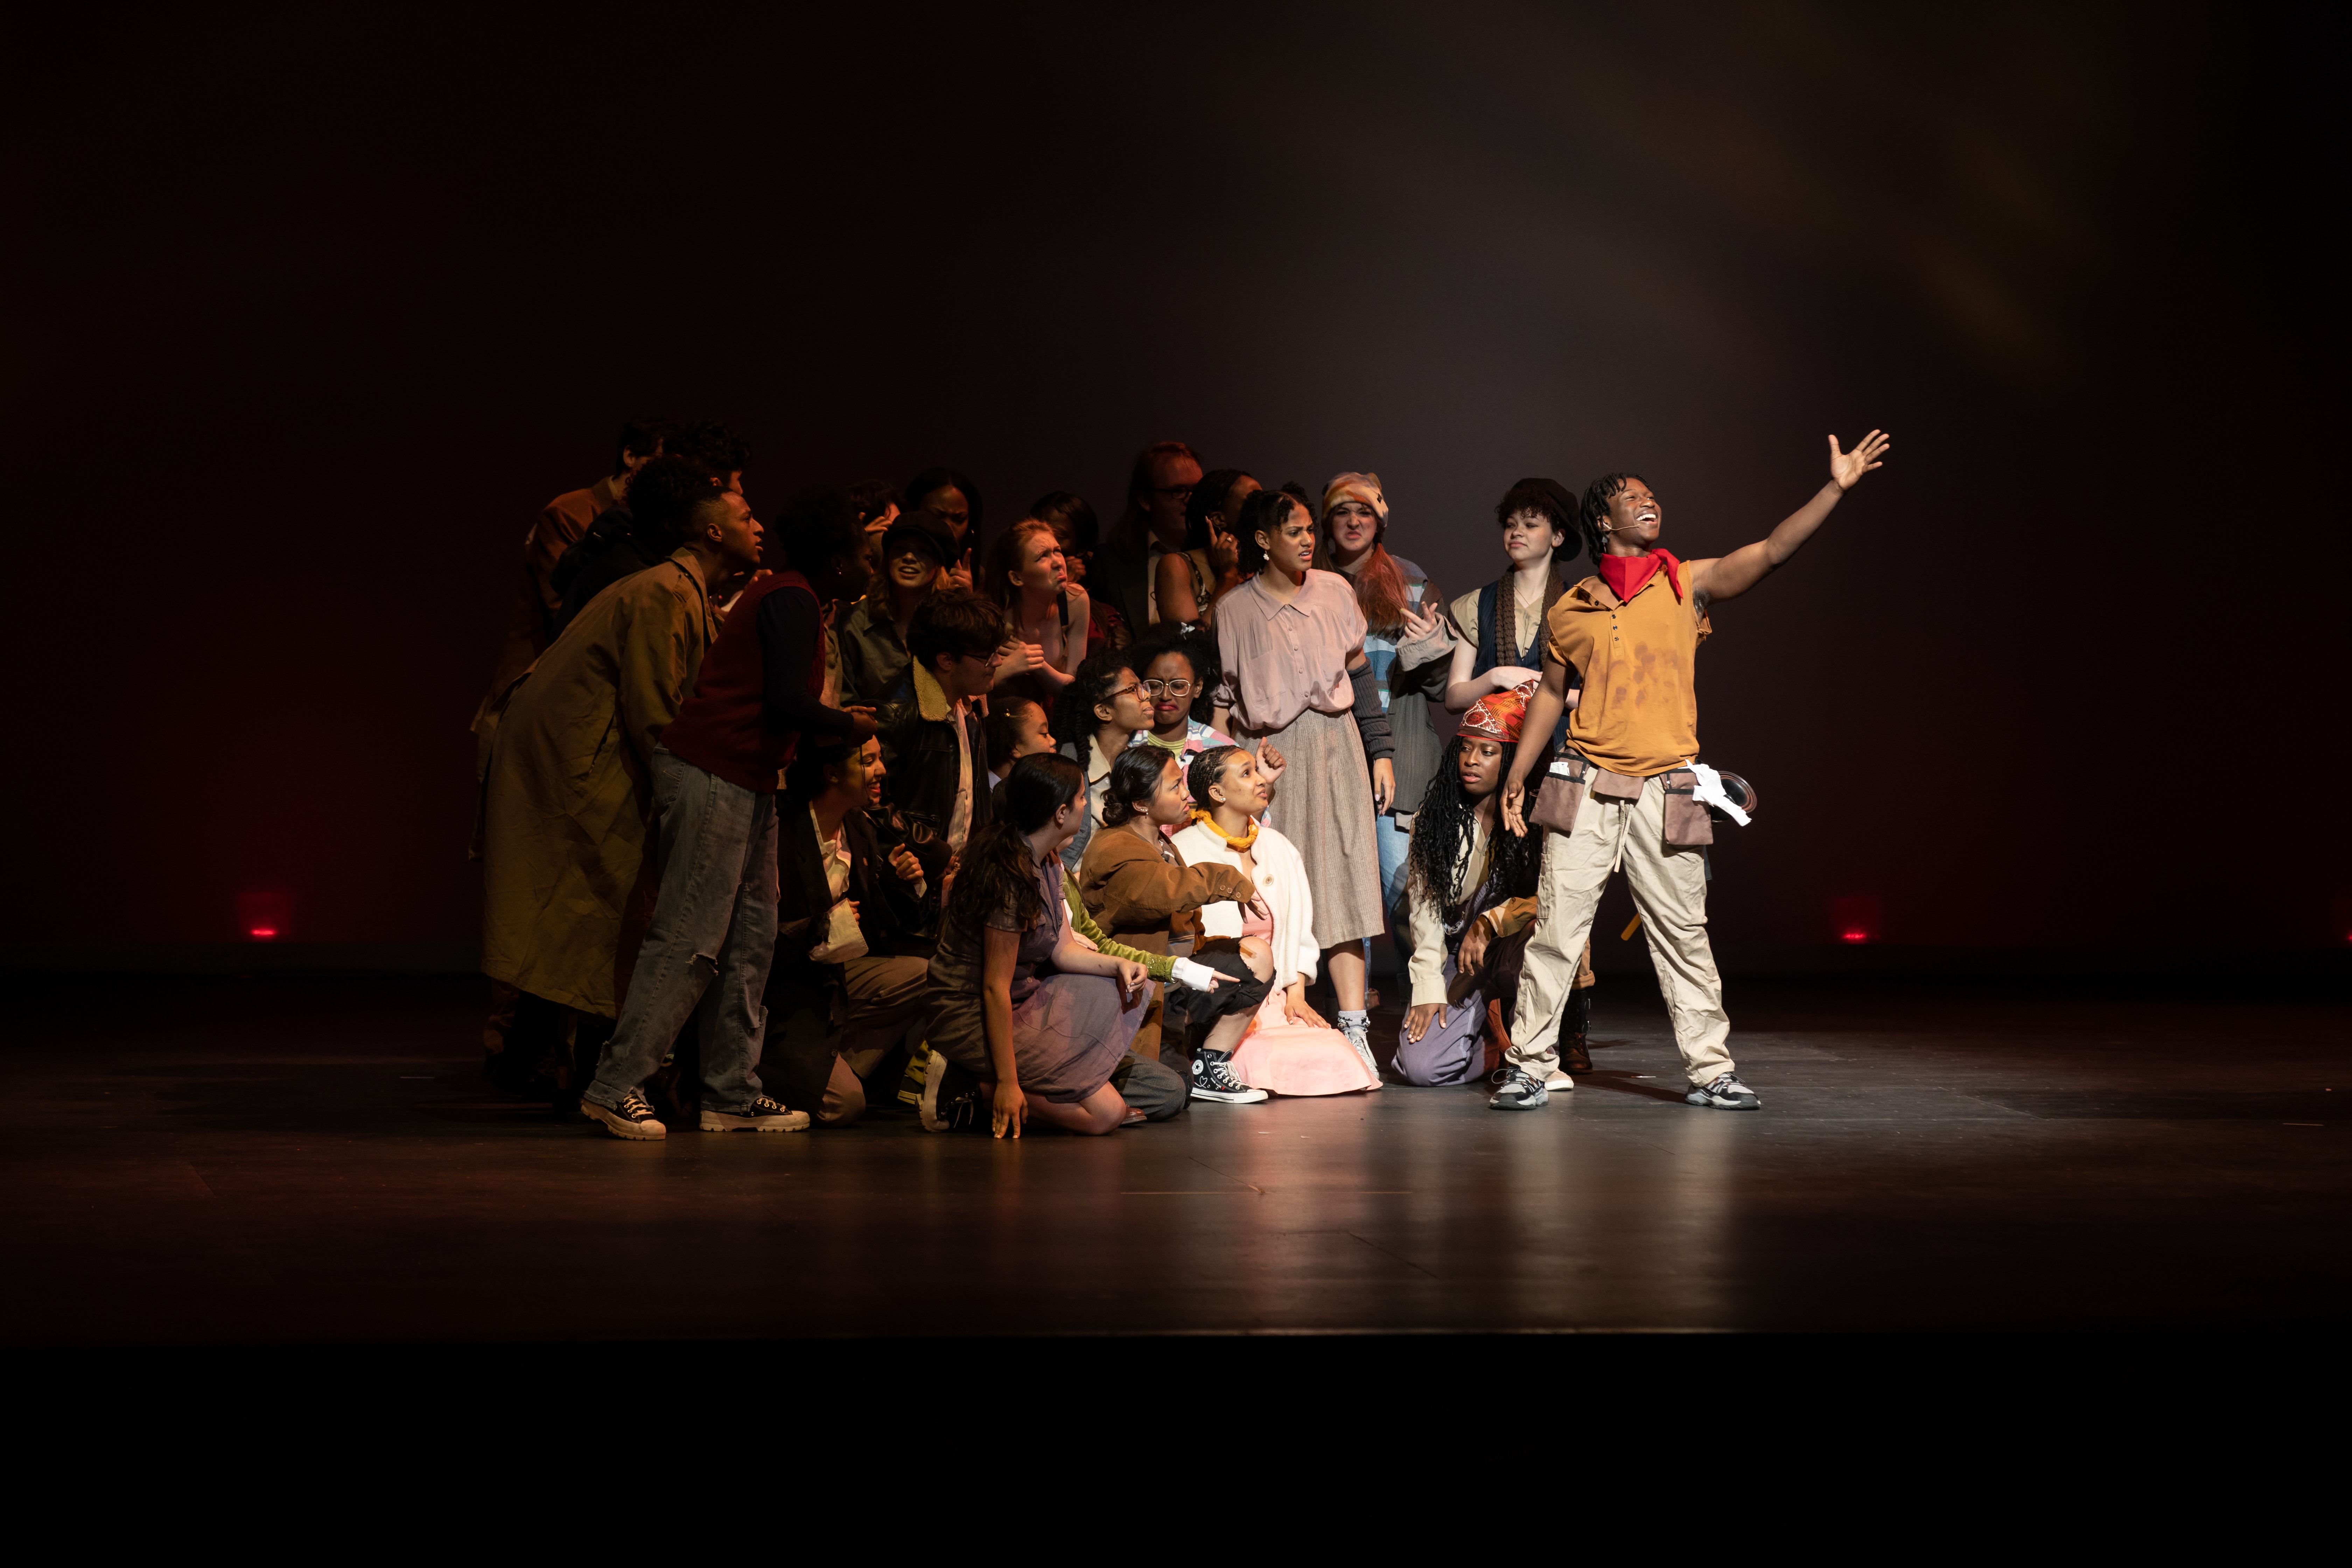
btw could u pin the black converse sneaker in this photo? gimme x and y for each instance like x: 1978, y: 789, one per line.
x: 1520, y: 1090
x: 1212, y: 1078
x: 950, y: 1096
x: 633, y: 1119
x: 1726, y: 1093
x: 764, y: 1115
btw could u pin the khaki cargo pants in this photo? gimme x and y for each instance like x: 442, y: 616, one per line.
x: 1669, y: 888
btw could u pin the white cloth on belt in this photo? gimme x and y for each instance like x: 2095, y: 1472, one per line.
x: 1708, y: 791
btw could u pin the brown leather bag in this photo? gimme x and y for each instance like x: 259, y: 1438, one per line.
x: 1687, y: 824
x: 1559, y: 797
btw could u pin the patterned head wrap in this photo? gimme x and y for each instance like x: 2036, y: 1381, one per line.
x: 1365, y: 488
x: 1497, y: 715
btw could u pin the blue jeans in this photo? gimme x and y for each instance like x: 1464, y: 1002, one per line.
x: 1393, y: 843
x: 706, y: 955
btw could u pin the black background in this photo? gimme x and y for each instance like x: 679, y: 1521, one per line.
x: 311, y: 308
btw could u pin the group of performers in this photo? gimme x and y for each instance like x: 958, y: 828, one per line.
x: 812, y: 820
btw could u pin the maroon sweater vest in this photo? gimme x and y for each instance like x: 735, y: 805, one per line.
x: 720, y: 729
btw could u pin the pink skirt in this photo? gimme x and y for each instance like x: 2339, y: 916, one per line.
x: 1299, y: 1059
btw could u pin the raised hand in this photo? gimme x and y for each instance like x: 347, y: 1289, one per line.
x: 1417, y: 624
x: 1224, y: 554
x: 1847, y: 469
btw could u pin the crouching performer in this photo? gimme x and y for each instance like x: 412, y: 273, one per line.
x: 1469, y: 900
x: 1027, y: 1019
x: 1136, y: 884
x: 851, y: 961
x: 1288, y: 1048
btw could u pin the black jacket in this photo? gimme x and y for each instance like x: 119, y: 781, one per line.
x: 888, y: 913
x: 918, y: 748
x: 611, y: 549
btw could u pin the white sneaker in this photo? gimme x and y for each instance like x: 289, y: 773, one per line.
x: 1361, y: 1040
x: 633, y: 1119
x: 1559, y: 1082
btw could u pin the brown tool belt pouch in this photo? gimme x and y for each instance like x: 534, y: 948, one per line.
x: 1687, y: 823
x: 1561, y: 793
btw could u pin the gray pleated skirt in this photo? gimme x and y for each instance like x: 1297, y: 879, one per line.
x: 1323, y: 805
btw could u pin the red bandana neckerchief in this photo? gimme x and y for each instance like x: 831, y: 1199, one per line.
x: 1629, y: 574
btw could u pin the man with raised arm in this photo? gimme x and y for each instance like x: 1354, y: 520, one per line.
x: 1625, y: 788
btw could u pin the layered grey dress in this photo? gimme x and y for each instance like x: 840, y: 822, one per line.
x: 1069, y: 1031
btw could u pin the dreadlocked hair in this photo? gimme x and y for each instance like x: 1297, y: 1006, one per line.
x: 1435, y: 860
x: 1590, y: 515
x: 999, y: 875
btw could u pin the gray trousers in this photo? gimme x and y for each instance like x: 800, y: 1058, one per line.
x: 1153, y: 1087
x: 706, y: 955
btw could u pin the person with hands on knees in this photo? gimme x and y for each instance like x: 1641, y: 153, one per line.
x: 1623, y: 790
x: 1291, y: 642
x: 1024, y: 1019
x: 1469, y: 899
x: 708, y: 949
x: 1137, y: 886
x: 1288, y: 1047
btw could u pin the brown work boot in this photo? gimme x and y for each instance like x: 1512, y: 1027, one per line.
x: 1573, y: 1055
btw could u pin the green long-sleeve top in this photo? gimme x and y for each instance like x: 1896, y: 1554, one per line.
x: 1160, y: 965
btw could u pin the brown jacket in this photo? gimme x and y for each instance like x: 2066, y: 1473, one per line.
x: 561, y: 523
x: 1136, y: 891
x: 567, y: 788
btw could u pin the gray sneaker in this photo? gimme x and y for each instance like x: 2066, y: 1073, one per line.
x: 1360, y: 1038
x: 1520, y: 1090
x: 1726, y: 1093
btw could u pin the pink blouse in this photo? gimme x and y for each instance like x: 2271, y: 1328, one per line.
x: 1281, y: 659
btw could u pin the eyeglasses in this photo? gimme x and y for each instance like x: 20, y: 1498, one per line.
x: 1115, y: 696
x: 1169, y: 687
x: 1182, y: 492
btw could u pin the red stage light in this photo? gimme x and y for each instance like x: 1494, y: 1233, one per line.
x: 265, y: 916
x: 1857, y: 918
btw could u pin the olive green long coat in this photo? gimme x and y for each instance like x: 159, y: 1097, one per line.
x: 567, y: 788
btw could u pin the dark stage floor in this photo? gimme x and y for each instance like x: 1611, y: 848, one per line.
x: 301, y: 1161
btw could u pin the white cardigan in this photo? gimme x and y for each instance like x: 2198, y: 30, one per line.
x: 1282, y: 876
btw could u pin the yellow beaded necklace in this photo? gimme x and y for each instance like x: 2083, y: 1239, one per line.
x: 1239, y: 845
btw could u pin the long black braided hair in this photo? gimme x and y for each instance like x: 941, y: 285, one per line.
x: 1442, y: 827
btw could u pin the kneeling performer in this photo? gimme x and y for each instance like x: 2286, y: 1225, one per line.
x: 1469, y: 900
